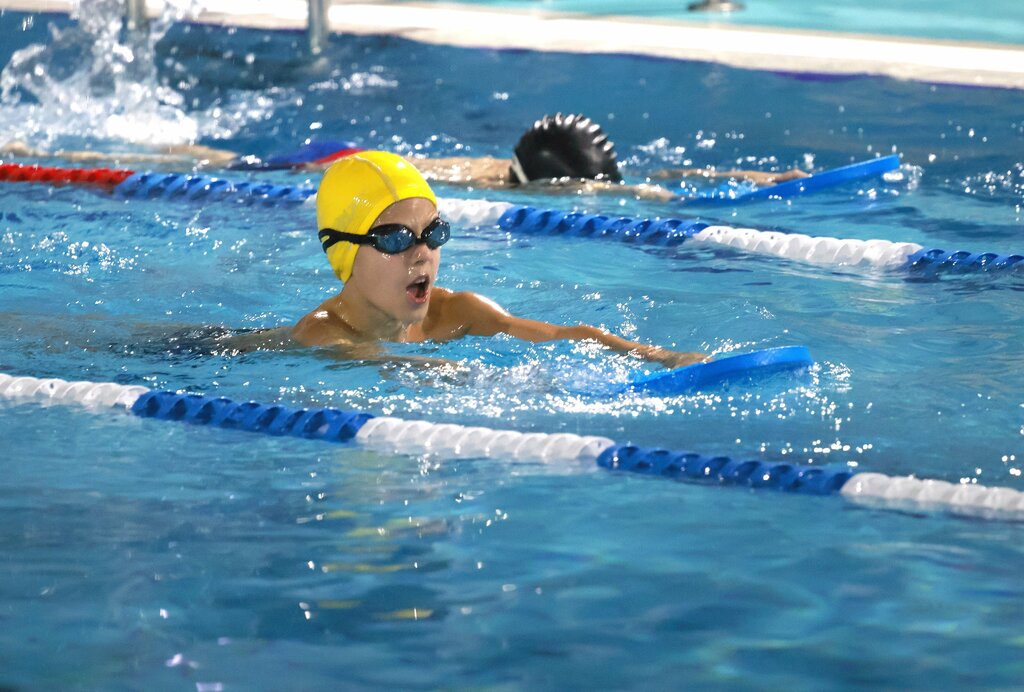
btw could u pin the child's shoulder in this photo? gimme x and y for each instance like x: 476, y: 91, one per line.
x: 320, y: 328
x: 447, y: 300
x: 454, y: 314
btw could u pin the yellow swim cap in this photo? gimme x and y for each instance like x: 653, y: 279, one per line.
x: 354, y: 192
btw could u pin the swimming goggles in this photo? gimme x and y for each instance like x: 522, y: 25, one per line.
x: 391, y: 238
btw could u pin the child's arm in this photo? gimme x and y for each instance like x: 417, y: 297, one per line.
x: 757, y: 177
x: 190, y: 155
x: 479, y: 316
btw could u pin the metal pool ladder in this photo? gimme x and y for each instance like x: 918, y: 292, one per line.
x: 317, y: 26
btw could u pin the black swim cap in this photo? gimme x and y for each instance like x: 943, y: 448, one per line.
x: 564, y: 146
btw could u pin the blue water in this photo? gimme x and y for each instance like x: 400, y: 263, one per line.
x: 141, y: 554
x: 997, y: 20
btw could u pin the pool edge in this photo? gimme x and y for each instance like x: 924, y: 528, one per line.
x: 757, y: 48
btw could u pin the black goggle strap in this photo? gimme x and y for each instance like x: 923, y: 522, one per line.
x: 517, y: 171
x: 329, y: 237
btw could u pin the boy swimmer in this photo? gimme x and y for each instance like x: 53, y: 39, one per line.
x: 379, y: 226
x: 566, y: 153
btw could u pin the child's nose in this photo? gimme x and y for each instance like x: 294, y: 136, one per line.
x: 420, y: 253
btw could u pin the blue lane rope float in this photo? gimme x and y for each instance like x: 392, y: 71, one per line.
x: 931, y: 260
x: 394, y: 435
x: 577, y: 224
x: 753, y: 473
x: 170, y: 186
x: 317, y: 424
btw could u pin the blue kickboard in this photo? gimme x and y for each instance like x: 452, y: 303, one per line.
x: 744, y: 192
x: 746, y: 366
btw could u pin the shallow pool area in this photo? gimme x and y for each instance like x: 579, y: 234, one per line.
x: 999, y: 21
x: 146, y: 554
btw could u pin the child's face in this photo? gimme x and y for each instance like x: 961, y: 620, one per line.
x: 399, y: 285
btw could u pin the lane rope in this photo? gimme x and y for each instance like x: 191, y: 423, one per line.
x: 106, y: 178
x: 451, y: 441
x: 168, y: 186
x: 819, y: 250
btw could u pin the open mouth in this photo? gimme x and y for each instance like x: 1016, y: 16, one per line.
x: 419, y: 290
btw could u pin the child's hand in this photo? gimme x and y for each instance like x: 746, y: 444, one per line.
x: 671, y: 359
x: 676, y: 359
x: 793, y: 174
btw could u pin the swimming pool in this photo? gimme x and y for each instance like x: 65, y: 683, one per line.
x: 143, y: 554
x: 1000, y: 21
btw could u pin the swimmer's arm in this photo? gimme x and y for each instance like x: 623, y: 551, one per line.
x: 484, y: 171
x: 189, y: 155
x: 372, y: 354
x: 484, y: 317
x: 347, y: 353
x: 646, y: 191
x: 23, y: 150
x: 315, y: 331
x: 481, y: 171
x: 756, y: 177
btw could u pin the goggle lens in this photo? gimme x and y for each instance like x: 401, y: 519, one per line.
x: 395, y: 238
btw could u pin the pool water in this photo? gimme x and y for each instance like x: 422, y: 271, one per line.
x: 1000, y: 21
x: 144, y: 554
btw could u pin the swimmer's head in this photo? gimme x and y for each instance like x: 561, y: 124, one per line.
x: 564, y: 146
x: 354, y: 192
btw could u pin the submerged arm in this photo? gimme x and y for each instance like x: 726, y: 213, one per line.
x: 648, y: 191
x: 489, y: 172
x: 757, y: 177
x: 192, y: 155
x: 477, y: 171
x: 282, y: 339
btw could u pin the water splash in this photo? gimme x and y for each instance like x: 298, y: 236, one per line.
x: 1005, y: 185
x: 94, y: 82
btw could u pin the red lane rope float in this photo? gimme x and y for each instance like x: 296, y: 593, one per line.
x: 106, y: 178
